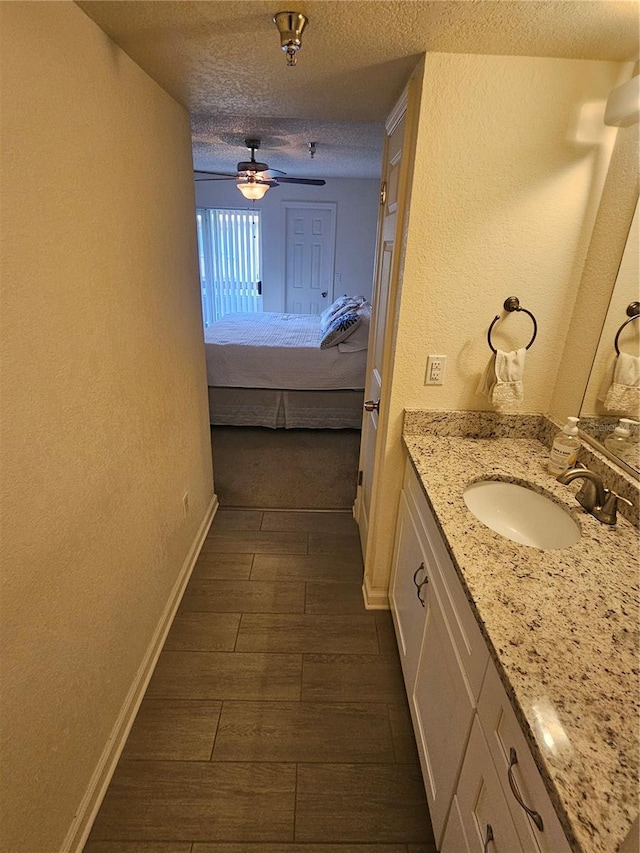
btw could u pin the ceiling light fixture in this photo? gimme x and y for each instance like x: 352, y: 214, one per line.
x: 290, y: 26
x: 252, y: 189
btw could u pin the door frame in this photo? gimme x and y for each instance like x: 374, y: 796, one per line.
x: 386, y: 479
x: 332, y: 206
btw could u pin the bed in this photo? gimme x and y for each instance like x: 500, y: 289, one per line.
x: 270, y: 370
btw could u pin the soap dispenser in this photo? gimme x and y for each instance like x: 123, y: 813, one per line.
x: 566, y: 444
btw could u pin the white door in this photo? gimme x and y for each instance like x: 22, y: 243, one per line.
x: 378, y: 345
x: 310, y: 238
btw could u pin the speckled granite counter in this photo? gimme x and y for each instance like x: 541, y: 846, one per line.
x: 561, y: 625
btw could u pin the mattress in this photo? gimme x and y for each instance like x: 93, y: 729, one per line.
x: 279, y: 351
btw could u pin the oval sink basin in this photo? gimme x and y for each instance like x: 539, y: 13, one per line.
x: 521, y: 514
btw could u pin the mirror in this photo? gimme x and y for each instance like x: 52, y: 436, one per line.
x: 599, y: 413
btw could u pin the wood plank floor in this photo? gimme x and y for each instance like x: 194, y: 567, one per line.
x: 276, y: 719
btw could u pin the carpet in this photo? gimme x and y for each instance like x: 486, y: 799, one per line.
x: 285, y: 468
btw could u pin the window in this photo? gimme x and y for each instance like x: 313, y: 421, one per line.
x: 229, y: 261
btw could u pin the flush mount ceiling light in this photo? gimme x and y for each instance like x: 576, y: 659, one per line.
x: 290, y: 26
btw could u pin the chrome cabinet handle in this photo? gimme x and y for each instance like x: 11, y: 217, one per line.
x: 372, y: 406
x: 488, y: 838
x: 535, y: 817
x: 420, y: 568
x: 424, y: 583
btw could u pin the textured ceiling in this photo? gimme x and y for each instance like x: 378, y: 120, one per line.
x: 222, y: 60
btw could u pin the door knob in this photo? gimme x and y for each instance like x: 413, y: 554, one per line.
x: 324, y: 293
x: 372, y: 406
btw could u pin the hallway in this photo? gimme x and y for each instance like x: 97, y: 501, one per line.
x: 276, y: 720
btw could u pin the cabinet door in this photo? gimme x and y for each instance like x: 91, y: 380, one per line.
x: 443, y: 712
x: 408, y: 587
x: 470, y: 644
x: 480, y: 820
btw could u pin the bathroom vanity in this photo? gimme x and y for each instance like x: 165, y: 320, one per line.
x: 520, y: 664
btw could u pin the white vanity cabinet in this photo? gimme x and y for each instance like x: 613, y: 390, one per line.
x: 480, y: 818
x: 465, y: 728
x: 533, y: 814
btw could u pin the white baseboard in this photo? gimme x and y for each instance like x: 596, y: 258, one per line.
x: 374, y: 599
x: 97, y: 788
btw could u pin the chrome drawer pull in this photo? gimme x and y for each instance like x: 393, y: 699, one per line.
x: 488, y: 838
x: 415, y: 575
x: 535, y: 817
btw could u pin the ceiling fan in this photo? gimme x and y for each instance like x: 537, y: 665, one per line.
x: 253, y: 179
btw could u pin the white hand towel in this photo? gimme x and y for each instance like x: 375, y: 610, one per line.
x: 501, y: 382
x: 623, y: 395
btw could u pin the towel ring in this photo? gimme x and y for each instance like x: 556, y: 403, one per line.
x: 633, y: 312
x: 512, y: 303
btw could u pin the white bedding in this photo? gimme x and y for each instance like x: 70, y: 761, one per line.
x: 272, y: 350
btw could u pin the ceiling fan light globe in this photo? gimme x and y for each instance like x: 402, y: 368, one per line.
x: 253, y: 190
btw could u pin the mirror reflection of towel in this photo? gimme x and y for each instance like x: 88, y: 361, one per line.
x: 501, y: 382
x: 620, y: 392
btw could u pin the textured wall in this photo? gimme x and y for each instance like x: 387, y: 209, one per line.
x: 503, y: 204
x: 104, y: 406
x: 357, y: 219
x: 503, y: 200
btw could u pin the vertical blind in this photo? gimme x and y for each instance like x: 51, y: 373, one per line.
x: 229, y: 261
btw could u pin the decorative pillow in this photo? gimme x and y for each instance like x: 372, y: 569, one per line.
x: 341, y: 305
x: 340, y: 329
x: 333, y: 310
x: 359, y: 338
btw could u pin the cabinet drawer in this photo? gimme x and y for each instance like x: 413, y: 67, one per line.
x: 480, y: 819
x: 504, y: 734
x: 466, y: 635
x: 406, y: 593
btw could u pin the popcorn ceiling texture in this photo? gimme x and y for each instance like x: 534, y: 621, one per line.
x: 222, y: 60
x: 561, y: 625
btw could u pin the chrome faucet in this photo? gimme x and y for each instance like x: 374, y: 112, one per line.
x: 600, y: 502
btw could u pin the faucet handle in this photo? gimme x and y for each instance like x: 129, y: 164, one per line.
x: 587, y: 496
x: 608, y: 513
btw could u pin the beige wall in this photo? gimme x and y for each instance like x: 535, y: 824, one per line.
x: 504, y: 195
x: 503, y: 204
x: 104, y: 408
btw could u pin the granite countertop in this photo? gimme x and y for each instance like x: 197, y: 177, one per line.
x: 561, y: 625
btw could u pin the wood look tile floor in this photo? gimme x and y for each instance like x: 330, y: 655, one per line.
x: 276, y: 720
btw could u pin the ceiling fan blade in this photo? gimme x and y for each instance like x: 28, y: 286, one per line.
x: 315, y: 182
x: 213, y: 175
x: 216, y: 178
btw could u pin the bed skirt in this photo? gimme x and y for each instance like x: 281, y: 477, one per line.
x: 277, y: 409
